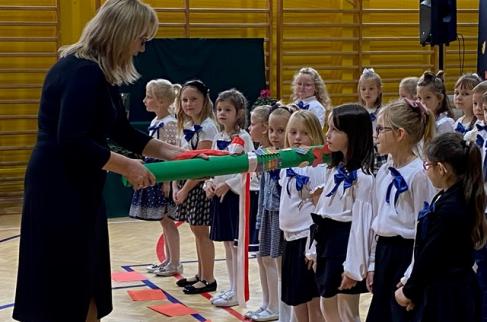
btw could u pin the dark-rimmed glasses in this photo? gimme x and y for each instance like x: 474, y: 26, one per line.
x: 380, y: 129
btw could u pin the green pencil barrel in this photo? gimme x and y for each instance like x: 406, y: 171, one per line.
x: 197, y: 168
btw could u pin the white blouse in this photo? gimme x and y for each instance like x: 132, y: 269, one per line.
x: 207, y: 133
x: 296, y: 206
x: 232, y: 180
x: 444, y: 124
x: 315, y: 107
x: 399, y: 219
x: 351, y: 205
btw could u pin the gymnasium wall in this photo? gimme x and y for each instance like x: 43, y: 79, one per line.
x: 338, y: 37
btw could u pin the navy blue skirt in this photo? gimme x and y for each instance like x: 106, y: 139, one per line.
x: 298, y: 283
x: 331, y: 250
x: 224, y: 226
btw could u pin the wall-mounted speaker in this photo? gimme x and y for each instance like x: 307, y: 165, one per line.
x: 437, y: 21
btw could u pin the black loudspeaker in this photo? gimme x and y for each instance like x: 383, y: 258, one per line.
x: 482, y: 43
x: 437, y: 21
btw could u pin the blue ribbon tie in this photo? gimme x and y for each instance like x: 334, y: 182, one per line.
x: 155, y: 129
x: 398, y: 182
x: 460, y: 128
x: 342, y: 176
x: 188, y: 133
x: 222, y: 144
x: 301, y: 180
x: 302, y: 105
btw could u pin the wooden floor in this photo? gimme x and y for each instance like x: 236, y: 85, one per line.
x: 132, y: 245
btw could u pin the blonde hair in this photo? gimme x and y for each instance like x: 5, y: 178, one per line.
x: 164, y: 89
x: 413, y: 117
x: 310, y: 123
x: 238, y: 100
x: 484, y: 98
x: 409, y: 84
x: 261, y: 112
x: 480, y: 88
x: 108, y: 36
x: 321, y: 92
x: 206, y: 111
x: 370, y: 74
x: 468, y: 81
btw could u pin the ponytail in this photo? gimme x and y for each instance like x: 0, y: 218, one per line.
x: 473, y: 185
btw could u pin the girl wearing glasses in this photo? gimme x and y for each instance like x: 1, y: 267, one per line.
x: 443, y: 286
x: 401, y: 188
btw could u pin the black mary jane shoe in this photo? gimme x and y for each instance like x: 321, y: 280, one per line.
x: 186, y: 282
x: 209, y: 287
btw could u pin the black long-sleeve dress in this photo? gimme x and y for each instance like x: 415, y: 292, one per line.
x: 442, y: 284
x: 64, y: 258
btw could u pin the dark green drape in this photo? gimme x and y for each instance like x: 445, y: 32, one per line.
x: 220, y: 63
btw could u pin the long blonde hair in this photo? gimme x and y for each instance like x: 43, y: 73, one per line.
x: 109, y: 35
x: 310, y: 123
x: 321, y: 92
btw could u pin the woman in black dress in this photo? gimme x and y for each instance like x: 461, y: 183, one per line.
x: 442, y: 286
x: 64, y: 261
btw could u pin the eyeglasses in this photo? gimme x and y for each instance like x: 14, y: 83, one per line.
x: 428, y: 164
x: 380, y: 129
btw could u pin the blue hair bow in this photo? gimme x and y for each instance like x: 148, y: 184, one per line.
x: 342, y: 176
x: 188, y: 133
x: 155, y: 129
x: 222, y: 144
x: 398, y: 182
x: 300, y: 179
x: 302, y: 105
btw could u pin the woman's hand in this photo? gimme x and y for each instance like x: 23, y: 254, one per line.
x: 138, y: 175
x: 347, y: 282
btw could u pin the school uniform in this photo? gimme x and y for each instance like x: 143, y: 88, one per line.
x: 442, y: 284
x: 399, y: 195
x: 314, y: 106
x: 196, y: 208
x: 462, y: 127
x: 254, y: 208
x: 341, y: 232
x: 444, y: 124
x: 271, y: 240
x: 225, y: 212
x: 298, y: 283
x: 150, y: 203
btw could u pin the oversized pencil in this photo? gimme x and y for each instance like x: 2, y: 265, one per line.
x: 258, y: 161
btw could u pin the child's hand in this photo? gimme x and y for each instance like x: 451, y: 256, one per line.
x: 347, y: 282
x: 181, y: 196
x: 315, y: 196
x: 221, y: 190
x: 209, y: 188
x: 402, y: 300
x: 369, y: 282
x: 310, y: 262
x: 166, y: 189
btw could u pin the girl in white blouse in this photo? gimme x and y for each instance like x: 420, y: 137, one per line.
x: 401, y: 188
x: 343, y: 214
x: 298, y: 283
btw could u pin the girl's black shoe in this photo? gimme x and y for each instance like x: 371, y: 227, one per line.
x: 187, y: 282
x: 209, y: 287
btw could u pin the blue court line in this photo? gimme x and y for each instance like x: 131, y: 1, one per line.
x: 128, y: 286
x: 6, y: 306
x: 9, y: 238
x: 171, y: 298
